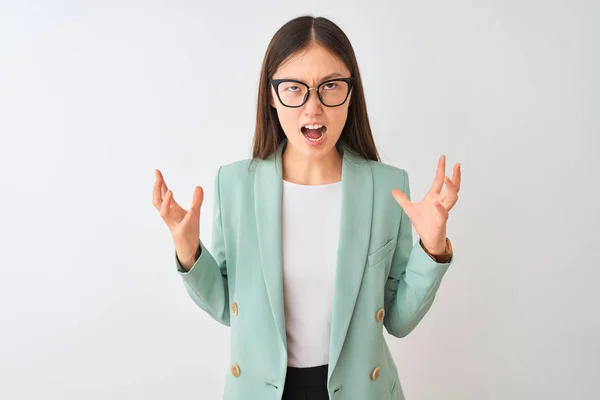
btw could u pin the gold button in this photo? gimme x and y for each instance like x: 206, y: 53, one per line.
x: 235, y: 370
x: 234, y: 308
x: 375, y: 373
x: 380, y: 314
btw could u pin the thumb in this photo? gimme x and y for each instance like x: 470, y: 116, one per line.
x: 197, y: 200
x: 402, y: 199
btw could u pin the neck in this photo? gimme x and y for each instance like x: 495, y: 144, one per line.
x: 297, y: 168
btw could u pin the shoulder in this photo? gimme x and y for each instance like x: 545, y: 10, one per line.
x: 235, y: 170
x: 232, y: 181
x: 386, y: 174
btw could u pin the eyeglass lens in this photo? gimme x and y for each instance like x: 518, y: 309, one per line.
x: 332, y: 93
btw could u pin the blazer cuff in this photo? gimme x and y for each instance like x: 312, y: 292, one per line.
x: 440, y: 258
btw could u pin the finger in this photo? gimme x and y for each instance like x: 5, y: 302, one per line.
x: 438, y: 182
x: 163, y: 191
x: 163, y: 184
x: 451, y: 186
x: 156, y: 193
x: 451, y: 195
x: 456, y: 176
x: 402, y: 199
x: 165, y: 207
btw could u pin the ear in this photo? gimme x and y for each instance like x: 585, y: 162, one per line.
x: 271, y: 97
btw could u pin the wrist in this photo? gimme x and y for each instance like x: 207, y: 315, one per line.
x: 437, y: 249
x: 188, y: 261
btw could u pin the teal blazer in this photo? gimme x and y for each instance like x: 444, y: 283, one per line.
x: 382, y: 279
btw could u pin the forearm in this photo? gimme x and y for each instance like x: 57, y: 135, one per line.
x: 206, y: 283
x: 411, y: 296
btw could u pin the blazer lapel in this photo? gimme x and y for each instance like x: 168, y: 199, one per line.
x: 355, y: 232
x: 353, y: 246
x: 268, y: 184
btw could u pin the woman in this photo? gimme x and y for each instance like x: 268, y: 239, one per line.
x: 312, y: 251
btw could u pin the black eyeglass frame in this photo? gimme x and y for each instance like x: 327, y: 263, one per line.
x: 276, y: 82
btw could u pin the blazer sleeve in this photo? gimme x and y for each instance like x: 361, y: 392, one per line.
x: 413, y: 280
x: 206, y: 281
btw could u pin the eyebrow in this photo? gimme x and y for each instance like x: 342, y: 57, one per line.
x: 325, y: 78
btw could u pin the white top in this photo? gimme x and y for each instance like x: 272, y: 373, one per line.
x: 310, y: 233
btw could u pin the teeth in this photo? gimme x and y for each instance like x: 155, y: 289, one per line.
x: 313, y: 126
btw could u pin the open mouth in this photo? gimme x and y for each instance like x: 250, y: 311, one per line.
x: 313, y: 132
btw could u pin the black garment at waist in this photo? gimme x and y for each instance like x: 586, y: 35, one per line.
x: 306, y: 377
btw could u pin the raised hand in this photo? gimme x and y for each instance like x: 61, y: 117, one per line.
x: 183, y: 225
x: 430, y: 215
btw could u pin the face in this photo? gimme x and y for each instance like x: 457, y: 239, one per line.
x: 313, y: 67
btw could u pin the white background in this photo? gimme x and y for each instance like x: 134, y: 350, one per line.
x: 96, y: 94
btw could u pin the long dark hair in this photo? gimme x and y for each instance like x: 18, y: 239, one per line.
x: 293, y: 37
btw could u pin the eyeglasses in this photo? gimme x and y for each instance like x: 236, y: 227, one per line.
x: 331, y: 93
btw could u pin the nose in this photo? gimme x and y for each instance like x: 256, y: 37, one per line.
x: 313, y: 105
